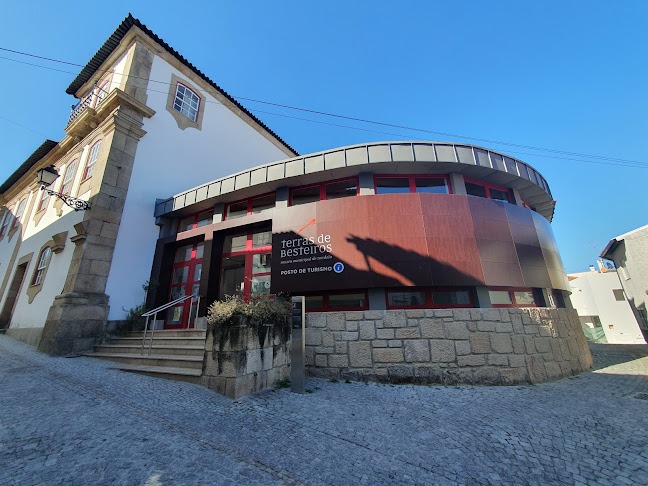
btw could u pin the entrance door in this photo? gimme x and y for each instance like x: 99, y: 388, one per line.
x: 185, y: 280
x: 12, y: 295
x: 246, y: 265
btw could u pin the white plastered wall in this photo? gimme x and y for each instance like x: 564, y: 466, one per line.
x: 170, y: 160
x: 592, y: 295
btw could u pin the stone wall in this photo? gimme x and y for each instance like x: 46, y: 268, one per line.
x: 240, y: 360
x: 450, y: 346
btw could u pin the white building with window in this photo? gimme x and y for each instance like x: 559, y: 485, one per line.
x: 603, y: 309
x: 64, y: 273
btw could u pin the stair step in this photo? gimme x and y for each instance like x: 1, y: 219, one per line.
x: 156, y: 349
x: 171, y: 333
x: 153, y: 360
x: 161, y: 340
x: 168, y: 372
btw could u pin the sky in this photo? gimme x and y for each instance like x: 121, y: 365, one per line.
x: 558, y: 84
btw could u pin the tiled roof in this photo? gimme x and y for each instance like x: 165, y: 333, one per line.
x: 113, y: 41
x: 45, y: 148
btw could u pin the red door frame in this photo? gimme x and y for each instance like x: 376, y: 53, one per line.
x: 188, y: 286
x: 249, y: 253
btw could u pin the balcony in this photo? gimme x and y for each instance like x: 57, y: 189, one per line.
x: 91, y: 100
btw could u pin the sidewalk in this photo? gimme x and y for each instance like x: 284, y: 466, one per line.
x: 72, y: 421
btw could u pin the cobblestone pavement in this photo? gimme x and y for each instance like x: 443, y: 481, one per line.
x: 75, y: 422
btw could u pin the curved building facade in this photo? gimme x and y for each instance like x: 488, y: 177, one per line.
x: 419, y: 261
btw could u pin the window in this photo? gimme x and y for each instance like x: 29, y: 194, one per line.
x: 413, y: 183
x: 44, y: 200
x: 327, y: 190
x: 513, y: 297
x: 186, y: 102
x: 68, y: 177
x: 246, y: 264
x: 90, y: 164
x: 6, y: 219
x: 196, y: 220
x: 619, y: 295
x: 19, y: 212
x: 338, y: 301
x: 250, y: 206
x: 43, y: 261
x: 429, y: 298
x: 474, y: 188
x: 185, y: 280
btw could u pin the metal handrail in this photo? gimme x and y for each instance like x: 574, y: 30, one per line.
x: 155, y: 311
x: 96, y: 95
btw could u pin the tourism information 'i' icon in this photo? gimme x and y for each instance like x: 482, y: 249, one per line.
x: 338, y: 267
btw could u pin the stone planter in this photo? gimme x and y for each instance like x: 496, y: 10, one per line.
x: 244, y: 357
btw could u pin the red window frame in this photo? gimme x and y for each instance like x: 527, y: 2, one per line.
x: 488, y: 187
x: 88, y: 170
x: 326, y: 302
x: 511, y: 291
x: 70, y: 169
x: 19, y: 212
x: 196, y: 217
x: 322, y: 188
x: 191, y: 263
x: 412, y: 180
x: 248, y: 253
x: 429, y: 300
x: 249, y: 205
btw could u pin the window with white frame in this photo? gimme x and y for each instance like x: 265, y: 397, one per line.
x: 186, y: 102
x: 20, y: 210
x: 68, y: 177
x: 44, y: 200
x: 6, y: 219
x: 43, y: 261
x: 92, y: 159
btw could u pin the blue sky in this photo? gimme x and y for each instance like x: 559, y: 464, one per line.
x: 562, y: 75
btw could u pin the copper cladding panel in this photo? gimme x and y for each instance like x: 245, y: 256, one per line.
x: 417, y: 240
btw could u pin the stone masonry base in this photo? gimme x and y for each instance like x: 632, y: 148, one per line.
x: 448, y: 346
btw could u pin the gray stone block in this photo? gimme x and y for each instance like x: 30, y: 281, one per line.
x: 417, y: 350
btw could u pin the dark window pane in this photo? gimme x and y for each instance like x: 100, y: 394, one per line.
x: 405, y: 299
x: 499, y: 195
x: 618, y: 294
x: 305, y: 195
x: 237, y: 210
x: 452, y: 297
x: 205, y: 218
x: 260, y: 286
x: 232, y: 276
x: 264, y: 203
x: 392, y: 185
x: 475, y: 190
x: 186, y: 224
x: 340, y: 301
x: 183, y: 254
x: 261, y: 263
x: 341, y: 189
x: 200, y: 250
x: 180, y: 275
x: 314, y: 302
x: 431, y: 185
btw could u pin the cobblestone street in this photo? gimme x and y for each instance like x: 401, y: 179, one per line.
x: 73, y: 421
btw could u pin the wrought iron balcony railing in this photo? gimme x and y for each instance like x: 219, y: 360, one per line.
x: 92, y: 100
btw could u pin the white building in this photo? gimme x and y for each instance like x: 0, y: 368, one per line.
x: 602, y: 307
x: 148, y: 123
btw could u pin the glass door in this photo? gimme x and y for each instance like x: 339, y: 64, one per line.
x: 185, y: 280
x: 245, y: 270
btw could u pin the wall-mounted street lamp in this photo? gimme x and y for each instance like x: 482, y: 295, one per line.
x: 47, y: 176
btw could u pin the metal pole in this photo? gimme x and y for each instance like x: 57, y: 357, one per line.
x: 298, y: 348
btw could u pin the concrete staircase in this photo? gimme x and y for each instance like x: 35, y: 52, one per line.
x: 175, y: 355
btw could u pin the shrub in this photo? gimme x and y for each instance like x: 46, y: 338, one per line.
x: 234, y: 309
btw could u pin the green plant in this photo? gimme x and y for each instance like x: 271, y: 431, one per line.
x: 282, y: 384
x: 133, y: 320
x: 262, y: 311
